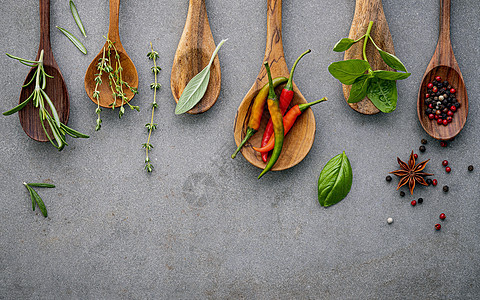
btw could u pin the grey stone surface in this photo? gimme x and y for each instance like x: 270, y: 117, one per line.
x: 201, y: 225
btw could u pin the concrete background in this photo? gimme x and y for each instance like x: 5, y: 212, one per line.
x: 201, y: 226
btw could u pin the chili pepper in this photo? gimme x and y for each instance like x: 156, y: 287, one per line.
x: 278, y: 130
x: 288, y: 121
x: 257, y: 111
x: 285, y: 98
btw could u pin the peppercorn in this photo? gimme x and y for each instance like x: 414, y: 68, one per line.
x: 445, y: 122
x: 445, y: 83
x: 438, y: 78
x: 453, y: 91
x: 438, y: 226
x: 448, y: 169
x: 430, y: 85
x: 442, y: 216
x: 470, y: 168
x: 415, y: 155
x: 429, y: 181
x: 435, y: 89
x: 388, y: 178
x: 443, y: 144
x: 434, y: 182
x: 420, y: 200
x: 445, y: 188
x: 445, y: 163
x: 422, y: 148
x: 413, y: 203
x: 402, y: 194
x: 453, y: 108
x: 424, y: 141
x: 390, y: 220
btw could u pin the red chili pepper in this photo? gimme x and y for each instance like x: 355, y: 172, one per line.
x: 285, y: 98
x: 288, y: 121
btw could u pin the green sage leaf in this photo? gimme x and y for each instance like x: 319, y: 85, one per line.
x: 343, y: 45
x: 383, y: 94
x: 389, y: 75
x: 76, y: 16
x: 45, y: 185
x: 359, y: 89
x: 335, y: 180
x: 74, y: 40
x: 392, y: 61
x: 196, y: 87
x: 347, y: 71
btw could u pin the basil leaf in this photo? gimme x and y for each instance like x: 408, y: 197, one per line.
x: 347, y: 71
x: 343, y: 45
x: 73, y: 39
x: 196, y: 87
x: 359, y: 89
x: 389, y: 75
x: 75, y: 15
x: 383, y: 94
x: 335, y: 180
x: 392, y: 61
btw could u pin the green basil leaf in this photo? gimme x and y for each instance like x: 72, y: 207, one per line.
x: 389, y: 75
x: 75, y: 15
x: 347, y: 71
x: 392, y: 61
x: 343, y: 45
x: 335, y: 180
x: 383, y: 94
x: 359, y: 89
x: 74, y: 40
x: 196, y: 87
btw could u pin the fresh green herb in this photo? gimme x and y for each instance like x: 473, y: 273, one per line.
x: 379, y: 86
x: 153, y: 55
x: 76, y: 16
x: 39, y: 97
x: 73, y: 39
x: 196, y: 87
x: 36, y: 198
x: 335, y: 180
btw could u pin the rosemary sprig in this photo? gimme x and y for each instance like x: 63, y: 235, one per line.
x: 153, y: 55
x: 36, y: 198
x: 39, y: 97
x: 76, y: 16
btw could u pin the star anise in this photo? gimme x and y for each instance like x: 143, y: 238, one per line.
x: 411, y: 173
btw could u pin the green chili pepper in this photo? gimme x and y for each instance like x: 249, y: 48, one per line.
x: 257, y: 111
x: 277, y: 119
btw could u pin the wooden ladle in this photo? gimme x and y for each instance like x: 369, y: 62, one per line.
x: 129, y: 73
x: 194, y: 50
x: 366, y: 11
x: 299, y: 140
x: 444, y: 64
x: 55, y: 88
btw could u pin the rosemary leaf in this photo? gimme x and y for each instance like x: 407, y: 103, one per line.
x: 77, y: 18
x: 45, y: 185
x: 74, y: 40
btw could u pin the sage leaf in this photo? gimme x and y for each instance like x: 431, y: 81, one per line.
x: 383, y: 94
x: 359, y: 89
x: 343, y: 45
x: 392, y: 61
x: 335, y: 180
x: 347, y: 71
x: 389, y: 75
x: 75, y: 15
x: 196, y: 87
x: 74, y: 40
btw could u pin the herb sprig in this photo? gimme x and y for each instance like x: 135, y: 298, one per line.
x: 379, y: 86
x: 39, y: 97
x: 153, y: 55
x: 36, y: 198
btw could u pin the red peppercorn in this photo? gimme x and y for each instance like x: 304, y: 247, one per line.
x: 445, y: 122
x: 449, y: 119
x: 453, y: 91
x: 445, y: 163
x: 436, y: 117
x: 427, y: 95
x: 443, y: 144
x: 453, y: 108
x: 435, y: 89
x: 438, y: 226
x: 430, y: 85
x: 415, y: 155
x: 430, y: 105
x: 442, y: 216
x: 438, y: 78
x: 413, y: 203
x: 450, y: 113
x: 440, y: 120
x: 431, y: 116
x: 434, y: 182
x: 448, y: 169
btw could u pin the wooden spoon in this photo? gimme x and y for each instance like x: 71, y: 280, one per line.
x: 55, y: 88
x: 194, y: 51
x: 299, y: 140
x: 129, y: 73
x: 444, y: 64
x: 366, y: 11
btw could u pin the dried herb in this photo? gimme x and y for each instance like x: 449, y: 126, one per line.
x: 74, y: 40
x: 153, y: 55
x: 75, y: 15
x: 335, y: 180
x: 411, y: 173
x: 36, y: 198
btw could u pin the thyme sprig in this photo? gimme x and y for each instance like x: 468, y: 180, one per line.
x: 39, y: 97
x: 153, y: 55
x: 36, y: 198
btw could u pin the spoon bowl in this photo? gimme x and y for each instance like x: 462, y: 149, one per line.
x: 299, y: 140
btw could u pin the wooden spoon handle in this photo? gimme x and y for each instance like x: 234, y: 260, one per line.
x: 444, y: 36
x: 113, y: 33
x: 274, y: 48
x: 45, y: 30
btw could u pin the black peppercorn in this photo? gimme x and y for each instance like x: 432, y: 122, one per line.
x: 445, y: 188
x: 429, y: 181
x: 470, y: 168
x: 440, y: 85
x: 424, y: 141
x: 457, y: 104
x: 445, y: 83
x: 402, y: 194
x: 388, y: 178
x: 434, y: 82
x: 420, y: 200
x: 422, y: 148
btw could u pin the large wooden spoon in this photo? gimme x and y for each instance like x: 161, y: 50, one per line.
x: 194, y: 50
x: 366, y: 11
x: 444, y: 64
x: 129, y: 73
x: 55, y: 88
x: 299, y: 140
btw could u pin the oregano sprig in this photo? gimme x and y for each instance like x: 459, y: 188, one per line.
x: 36, y: 198
x: 379, y: 86
x: 153, y: 55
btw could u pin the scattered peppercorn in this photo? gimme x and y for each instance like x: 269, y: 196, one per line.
x: 402, y: 194
x: 438, y: 226
x: 434, y: 182
x: 422, y: 148
x: 429, y: 181
x: 388, y: 178
x: 420, y: 200
x: 445, y: 163
x: 390, y: 220
x: 413, y: 203
x: 443, y: 144
x: 470, y: 168
x: 448, y: 169
x: 442, y: 216
x: 445, y: 188
x: 415, y: 155
x: 424, y: 141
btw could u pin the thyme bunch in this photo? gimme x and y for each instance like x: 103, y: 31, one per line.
x: 153, y: 55
x: 39, y: 97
